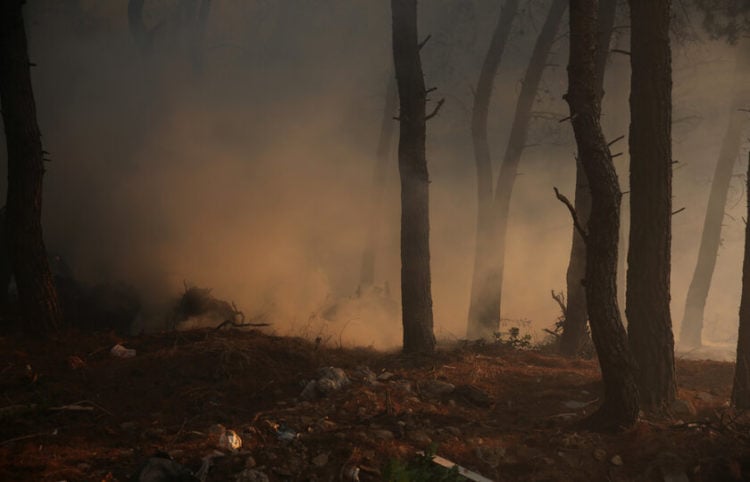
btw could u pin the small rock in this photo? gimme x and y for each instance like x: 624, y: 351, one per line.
x: 385, y: 376
x: 230, y: 440
x: 600, y: 454
x: 250, y: 475
x: 382, y: 434
x: 574, y: 405
x: 616, y: 460
x: 437, y: 388
x: 420, y: 437
x: 310, y: 391
x: 321, y: 460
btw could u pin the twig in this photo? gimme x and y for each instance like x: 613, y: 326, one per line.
x: 238, y: 325
x: 620, y: 51
x: 435, y: 110
x: 573, y: 213
x: 678, y: 211
x: 616, y: 140
x: 424, y: 42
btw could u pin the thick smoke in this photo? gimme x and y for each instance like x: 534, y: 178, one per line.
x: 252, y: 174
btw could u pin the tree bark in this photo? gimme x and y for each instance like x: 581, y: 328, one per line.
x: 741, y: 386
x: 576, y: 316
x: 692, y: 322
x: 481, y: 313
x: 620, y: 406
x: 487, y: 290
x: 416, y: 296
x: 649, y: 254
x: 36, y: 290
x: 198, y: 36
x: 382, y: 161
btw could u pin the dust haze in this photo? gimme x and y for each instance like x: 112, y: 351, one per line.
x: 252, y: 175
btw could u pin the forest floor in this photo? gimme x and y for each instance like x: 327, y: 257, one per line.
x: 71, y: 410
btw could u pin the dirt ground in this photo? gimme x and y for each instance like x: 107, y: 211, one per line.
x: 71, y: 410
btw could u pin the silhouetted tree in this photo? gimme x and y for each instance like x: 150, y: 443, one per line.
x: 741, y: 387
x: 649, y: 252
x: 416, y: 295
x: 620, y: 406
x: 488, y: 286
x: 695, y: 303
x: 576, y: 316
x: 482, y: 314
x: 382, y: 161
x: 36, y: 290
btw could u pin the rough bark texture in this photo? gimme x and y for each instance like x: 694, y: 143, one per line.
x: 741, y: 386
x: 649, y: 253
x: 692, y: 322
x: 382, y: 161
x: 480, y: 312
x: 416, y: 296
x: 488, y: 286
x: 576, y: 316
x: 620, y: 406
x: 36, y: 290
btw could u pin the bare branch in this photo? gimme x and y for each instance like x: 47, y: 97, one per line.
x: 424, y: 42
x: 435, y: 110
x: 573, y: 214
x: 678, y: 211
x: 620, y: 51
x: 616, y: 140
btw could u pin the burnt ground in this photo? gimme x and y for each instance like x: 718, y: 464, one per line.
x: 70, y: 410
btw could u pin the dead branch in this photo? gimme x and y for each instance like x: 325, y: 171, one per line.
x: 573, y: 214
x: 424, y: 42
x: 620, y: 51
x: 238, y: 325
x: 435, y: 110
x: 560, y: 300
x: 678, y: 211
x: 616, y: 140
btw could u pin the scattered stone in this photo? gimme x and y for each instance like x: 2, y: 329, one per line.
x: 436, y: 388
x: 420, y: 437
x: 474, y: 395
x: 385, y: 376
x: 160, y: 469
x: 616, y: 460
x: 600, y: 454
x: 705, y: 397
x: 250, y: 475
x: 382, y: 434
x: 365, y: 375
x: 320, y: 460
x: 329, y: 380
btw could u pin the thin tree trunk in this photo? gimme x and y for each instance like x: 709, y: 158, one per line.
x: 36, y: 290
x: 649, y: 252
x: 741, y: 386
x: 487, y: 292
x: 576, y: 316
x: 695, y: 303
x: 478, y: 310
x: 141, y: 35
x: 620, y: 407
x: 382, y: 161
x: 416, y: 295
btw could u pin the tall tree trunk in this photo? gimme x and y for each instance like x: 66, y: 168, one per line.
x: 416, y: 295
x: 479, y: 310
x: 382, y: 161
x: 741, y: 386
x: 620, y: 407
x: 576, y: 316
x: 36, y: 290
x: 487, y: 291
x: 141, y: 35
x: 695, y: 304
x: 649, y: 251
